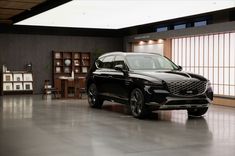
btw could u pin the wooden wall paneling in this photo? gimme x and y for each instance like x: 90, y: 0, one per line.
x: 168, y: 48
x: 17, y: 4
x: 10, y: 11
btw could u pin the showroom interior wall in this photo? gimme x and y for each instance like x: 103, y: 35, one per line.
x: 221, y: 39
x: 151, y: 46
x: 19, y: 49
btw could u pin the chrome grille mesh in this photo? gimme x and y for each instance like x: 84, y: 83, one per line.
x: 187, y: 88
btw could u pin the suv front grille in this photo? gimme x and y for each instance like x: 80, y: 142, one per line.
x: 187, y: 87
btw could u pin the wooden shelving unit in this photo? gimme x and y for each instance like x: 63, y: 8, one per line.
x: 69, y: 65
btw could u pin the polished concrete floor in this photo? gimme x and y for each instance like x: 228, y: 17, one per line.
x: 30, y: 126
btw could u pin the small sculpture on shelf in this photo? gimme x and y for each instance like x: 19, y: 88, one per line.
x: 29, y: 67
x: 67, y: 62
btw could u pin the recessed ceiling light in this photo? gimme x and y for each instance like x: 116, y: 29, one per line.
x: 160, y: 40
x: 141, y: 42
x: 150, y: 42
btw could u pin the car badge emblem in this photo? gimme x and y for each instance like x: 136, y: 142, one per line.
x: 189, y: 91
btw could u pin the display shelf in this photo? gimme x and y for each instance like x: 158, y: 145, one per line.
x: 70, y: 65
x: 17, y: 82
x: 65, y: 63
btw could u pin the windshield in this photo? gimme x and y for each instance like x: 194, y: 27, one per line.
x: 149, y: 62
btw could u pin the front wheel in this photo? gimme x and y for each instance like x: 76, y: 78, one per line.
x: 137, y: 104
x: 197, y: 111
x: 93, y: 97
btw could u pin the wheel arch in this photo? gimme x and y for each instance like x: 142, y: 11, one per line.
x: 134, y: 86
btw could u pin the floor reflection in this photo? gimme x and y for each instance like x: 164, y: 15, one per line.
x: 18, y: 107
x: 119, y: 108
x: 220, y: 121
x: 30, y: 125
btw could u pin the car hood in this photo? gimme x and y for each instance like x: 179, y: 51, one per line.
x: 168, y: 75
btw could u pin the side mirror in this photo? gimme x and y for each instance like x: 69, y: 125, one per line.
x: 119, y: 67
x: 180, y: 68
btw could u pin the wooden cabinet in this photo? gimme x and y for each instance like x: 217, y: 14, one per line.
x: 16, y: 82
x: 69, y: 65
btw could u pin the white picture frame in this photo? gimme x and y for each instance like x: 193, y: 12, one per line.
x: 57, y: 55
x: 28, y: 77
x: 7, y: 87
x: 7, y: 77
x: 84, y: 69
x: 76, y: 56
x: 28, y: 86
x: 17, y: 86
x: 58, y: 69
x: 17, y: 77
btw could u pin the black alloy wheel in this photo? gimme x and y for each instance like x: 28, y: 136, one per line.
x: 137, y: 104
x: 93, y: 97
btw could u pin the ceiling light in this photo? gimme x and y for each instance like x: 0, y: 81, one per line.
x: 160, y: 41
x: 116, y: 14
x: 141, y: 42
x: 151, y: 42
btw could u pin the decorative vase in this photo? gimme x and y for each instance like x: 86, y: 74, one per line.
x: 67, y: 62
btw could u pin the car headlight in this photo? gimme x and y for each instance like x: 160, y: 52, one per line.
x: 208, y: 85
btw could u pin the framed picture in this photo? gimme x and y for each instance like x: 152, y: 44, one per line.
x: 7, y: 77
x: 28, y: 77
x: 28, y: 86
x: 58, y: 70
x: 17, y: 77
x: 76, y: 56
x: 17, y: 86
x: 57, y: 55
x: 84, y: 69
x: 7, y: 86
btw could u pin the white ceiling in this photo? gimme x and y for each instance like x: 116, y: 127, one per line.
x: 116, y: 14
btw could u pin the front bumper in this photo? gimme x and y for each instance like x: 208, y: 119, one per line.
x: 162, y: 99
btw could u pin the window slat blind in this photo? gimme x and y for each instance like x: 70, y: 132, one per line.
x: 212, y: 56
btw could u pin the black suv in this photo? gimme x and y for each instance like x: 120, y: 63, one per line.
x: 146, y: 82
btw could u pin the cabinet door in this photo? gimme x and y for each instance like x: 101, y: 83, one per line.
x: 57, y: 84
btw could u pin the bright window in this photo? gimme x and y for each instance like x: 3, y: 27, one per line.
x: 212, y: 56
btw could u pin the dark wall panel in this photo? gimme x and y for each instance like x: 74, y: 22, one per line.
x: 16, y: 50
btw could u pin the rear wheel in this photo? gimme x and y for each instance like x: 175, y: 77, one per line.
x: 197, y: 111
x: 93, y: 97
x: 137, y: 104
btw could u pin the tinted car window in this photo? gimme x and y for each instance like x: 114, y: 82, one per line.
x: 99, y: 63
x: 106, y: 62
x: 150, y: 62
x: 119, y: 60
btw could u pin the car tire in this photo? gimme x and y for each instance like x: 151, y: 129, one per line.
x: 137, y: 104
x: 197, y: 111
x: 93, y: 97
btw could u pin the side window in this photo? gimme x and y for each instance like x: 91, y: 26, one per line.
x: 107, y: 62
x: 119, y: 60
x: 99, y: 63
